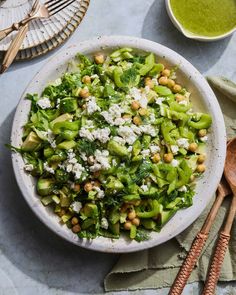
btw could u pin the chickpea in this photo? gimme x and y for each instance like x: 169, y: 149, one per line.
x: 131, y: 215
x: 136, y: 221
x: 61, y: 213
x: 168, y: 158
x: 99, y: 58
x: 179, y: 97
x: 166, y: 73
x: 135, y: 105
x: 201, y: 168
x: 137, y: 120
x: 170, y: 83
x: 91, y: 160
x: 96, y: 174
x: 86, y: 80
x: 88, y: 187
x: 192, y: 178
x: 96, y: 183
x: 143, y: 112
x: 124, y: 207
x: 136, y: 202
x: 76, y: 228
x: 74, y: 221
x: 148, y: 82
x: 201, y: 158
x: 84, y: 93
x: 126, y: 116
x: 84, y: 106
x: 156, y: 158
x: 177, y: 88
x: 77, y: 187
x: 193, y: 147
x: 202, y: 132
x: 127, y: 225
x: 163, y: 81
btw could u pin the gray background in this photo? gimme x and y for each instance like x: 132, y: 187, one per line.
x: 34, y: 261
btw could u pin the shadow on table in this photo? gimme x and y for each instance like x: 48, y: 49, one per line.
x: 33, y: 248
x: 159, y: 28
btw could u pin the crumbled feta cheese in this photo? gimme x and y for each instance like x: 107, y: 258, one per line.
x: 174, y: 149
x: 76, y: 206
x: 119, y: 139
x: 139, y: 96
x: 113, y: 115
x: 204, y: 138
x: 160, y: 100
x: 107, y: 116
x: 130, y: 148
x: 104, y: 223
x: 58, y: 103
x: 70, y: 155
x: 114, y: 162
x: 94, y: 76
x: 48, y: 169
x: 89, y: 123
x: 174, y: 163
x: 101, y: 161
x: 136, y: 129
x: 92, y: 105
x: 29, y: 167
x: 145, y: 153
x: 183, y: 189
x: 127, y: 134
x: 183, y: 102
x: 144, y: 187
x: 154, y: 149
x: 78, y: 169
x: 51, y: 138
x: 100, y: 192
x: 152, y: 118
x: 115, y: 110
x: 68, y: 167
x: 86, y: 133
x: 102, y: 134
x: 119, y: 121
x: 183, y: 142
x: 149, y: 129
x: 72, y: 165
x: 154, y: 80
x: 44, y: 103
x: 83, y: 156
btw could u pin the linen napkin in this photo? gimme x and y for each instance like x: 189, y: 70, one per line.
x: 158, y: 267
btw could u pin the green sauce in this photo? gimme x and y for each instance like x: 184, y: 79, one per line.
x: 205, y: 17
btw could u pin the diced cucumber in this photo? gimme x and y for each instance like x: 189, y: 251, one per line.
x: 45, y: 186
x: 31, y: 142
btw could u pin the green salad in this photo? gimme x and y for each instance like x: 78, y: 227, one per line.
x: 115, y: 145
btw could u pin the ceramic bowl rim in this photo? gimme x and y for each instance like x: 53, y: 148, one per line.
x: 189, y: 35
x: 209, y: 97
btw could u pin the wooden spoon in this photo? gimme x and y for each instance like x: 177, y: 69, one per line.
x: 199, y: 241
x: 223, y: 241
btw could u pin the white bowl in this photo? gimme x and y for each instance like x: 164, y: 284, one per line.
x: 203, y: 100
x: 190, y: 35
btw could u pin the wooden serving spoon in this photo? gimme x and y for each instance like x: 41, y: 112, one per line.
x: 197, y: 246
x: 223, y: 241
